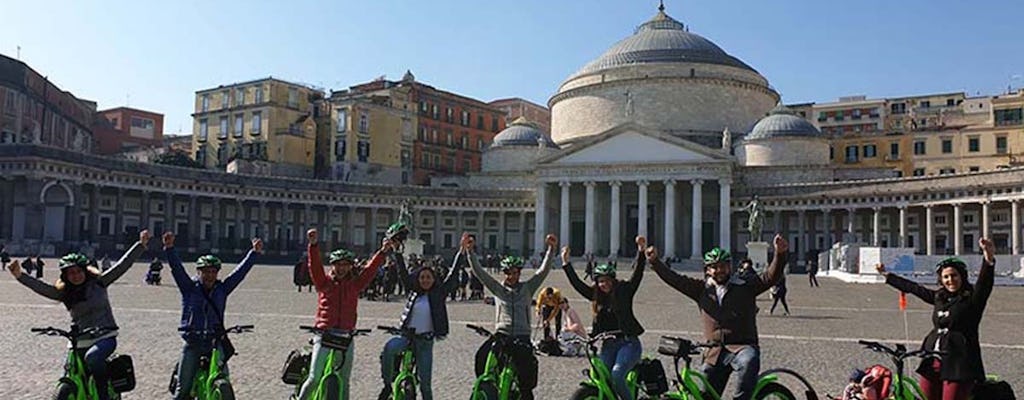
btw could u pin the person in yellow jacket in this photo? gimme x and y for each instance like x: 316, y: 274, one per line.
x: 549, y: 309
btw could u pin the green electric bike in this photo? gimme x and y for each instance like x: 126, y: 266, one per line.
x: 212, y: 381
x: 77, y: 382
x: 403, y: 387
x: 330, y: 386
x: 499, y: 380
x: 598, y: 385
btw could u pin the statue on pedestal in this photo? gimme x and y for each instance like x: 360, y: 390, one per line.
x: 755, y: 221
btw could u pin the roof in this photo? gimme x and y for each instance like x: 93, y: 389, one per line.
x: 781, y: 122
x: 522, y: 133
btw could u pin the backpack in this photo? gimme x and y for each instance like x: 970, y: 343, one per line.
x: 550, y: 347
x: 121, y: 372
x: 879, y: 379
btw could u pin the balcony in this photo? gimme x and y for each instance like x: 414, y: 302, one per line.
x: 1010, y: 122
x: 892, y: 157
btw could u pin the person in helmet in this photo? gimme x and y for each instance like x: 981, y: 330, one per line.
x: 611, y: 300
x: 958, y: 308
x: 728, y: 309
x: 83, y: 291
x: 337, y: 299
x: 512, y: 301
x: 203, y: 299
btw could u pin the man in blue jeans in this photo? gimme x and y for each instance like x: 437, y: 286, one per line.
x: 728, y: 309
x: 202, y: 307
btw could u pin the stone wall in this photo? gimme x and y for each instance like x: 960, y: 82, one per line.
x: 784, y: 151
x: 514, y: 158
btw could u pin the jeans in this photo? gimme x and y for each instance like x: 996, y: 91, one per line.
x: 746, y: 362
x: 621, y: 355
x: 423, y: 350
x: 546, y: 312
x: 188, y: 366
x: 319, y: 361
x: 96, y: 361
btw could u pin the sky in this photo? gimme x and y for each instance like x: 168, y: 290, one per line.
x: 156, y: 55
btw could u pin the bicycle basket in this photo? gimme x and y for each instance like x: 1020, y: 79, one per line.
x: 335, y: 341
x: 674, y: 347
x: 651, y: 375
x: 295, y: 366
x: 122, y: 373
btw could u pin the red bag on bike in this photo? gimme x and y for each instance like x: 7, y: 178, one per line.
x: 878, y: 379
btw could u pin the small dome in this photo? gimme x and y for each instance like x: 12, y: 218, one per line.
x: 662, y: 39
x: 522, y: 133
x: 782, y: 122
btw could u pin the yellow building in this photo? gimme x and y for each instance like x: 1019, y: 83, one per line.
x: 373, y: 127
x: 269, y: 122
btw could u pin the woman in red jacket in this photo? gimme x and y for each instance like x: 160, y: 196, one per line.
x: 337, y: 299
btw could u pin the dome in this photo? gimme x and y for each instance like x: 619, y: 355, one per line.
x: 782, y: 122
x: 522, y: 133
x: 662, y: 40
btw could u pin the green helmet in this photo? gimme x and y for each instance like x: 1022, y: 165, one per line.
x: 341, y: 255
x: 604, y: 270
x: 951, y: 262
x: 208, y: 261
x: 397, y: 231
x: 73, y: 260
x: 716, y: 255
x: 511, y: 262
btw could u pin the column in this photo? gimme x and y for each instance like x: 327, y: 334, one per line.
x: 119, y: 217
x: 438, y: 214
x: 524, y: 242
x: 1015, y: 227
x: 851, y: 219
x: 903, y: 227
x: 588, y: 218
x: 240, y: 233
x: 801, y: 246
x: 169, y: 225
x: 929, y: 233
x: 615, y: 237
x: 501, y: 233
x: 670, y: 218
x: 264, y: 224
x: 480, y: 229
x: 94, y: 213
x: 876, y: 227
x: 217, y: 222
x: 641, y: 223
x: 308, y: 218
x: 724, y: 214
x: 826, y: 220
x: 193, y: 222
x: 696, y: 223
x: 563, y: 214
x: 144, y: 220
x: 371, y: 230
x: 958, y: 242
x: 986, y: 232
x: 540, y: 220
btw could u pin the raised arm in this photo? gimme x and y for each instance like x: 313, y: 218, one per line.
x: 177, y: 269
x: 42, y: 288
x: 316, y: 266
x: 638, y: 264
x: 690, y: 287
x: 774, y: 273
x: 533, y: 284
x: 242, y: 269
x: 986, y: 275
x: 127, y: 260
x: 905, y: 285
x: 574, y: 280
x: 451, y: 282
x: 365, y: 277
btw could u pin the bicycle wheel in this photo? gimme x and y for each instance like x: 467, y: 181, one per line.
x: 332, y: 388
x: 485, y: 391
x: 406, y: 390
x: 64, y: 391
x: 586, y: 392
x: 222, y: 390
x: 774, y: 391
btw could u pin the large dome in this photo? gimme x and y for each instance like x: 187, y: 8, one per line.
x: 660, y: 40
x: 782, y: 123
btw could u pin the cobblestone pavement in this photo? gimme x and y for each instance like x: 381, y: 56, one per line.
x: 818, y: 340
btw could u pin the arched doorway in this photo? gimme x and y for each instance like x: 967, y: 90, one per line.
x: 56, y: 198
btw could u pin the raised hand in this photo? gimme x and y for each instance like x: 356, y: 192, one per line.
x: 15, y: 269
x: 652, y: 254
x: 551, y: 241
x: 565, y: 255
x: 880, y: 268
x: 466, y: 242
x: 257, y: 245
x: 168, y: 240
x: 144, y: 237
x: 641, y: 243
x: 781, y: 245
x: 988, y: 249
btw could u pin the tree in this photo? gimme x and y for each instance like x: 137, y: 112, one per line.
x: 177, y: 158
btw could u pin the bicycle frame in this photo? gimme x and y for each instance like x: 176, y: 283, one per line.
x: 502, y: 380
x: 600, y: 377
x: 202, y: 386
x: 907, y: 388
x: 406, y: 369
x: 330, y: 368
x: 75, y: 372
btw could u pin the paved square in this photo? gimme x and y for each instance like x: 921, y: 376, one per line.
x: 818, y: 340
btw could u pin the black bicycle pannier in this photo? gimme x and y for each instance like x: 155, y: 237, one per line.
x: 295, y: 366
x: 651, y: 375
x: 122, y: 373
x: 673, y: 346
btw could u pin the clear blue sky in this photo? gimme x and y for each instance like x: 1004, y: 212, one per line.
x: 160, y: 53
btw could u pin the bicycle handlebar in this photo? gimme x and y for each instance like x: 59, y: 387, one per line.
x: 218, y: 332
x: 74, y: 332
x: 479, y: 330
x: 353, y: 333
x: 900, y: 351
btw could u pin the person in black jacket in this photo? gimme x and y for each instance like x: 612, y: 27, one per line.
x: 959, y: 306
x: 612, y: 303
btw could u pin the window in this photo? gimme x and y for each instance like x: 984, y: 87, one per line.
x: 339, y: 149
x: 894, y: 151
x: 465, y: 141
x: 839, y: 116
x: 926, y: 104
x: 436, y: 113
x: 1000, y: 144
x: 223, y: 134
x: 831, y: 153
x: 203, y: 130
x: 465, y: 118
x: 974, y: 169
x: 342, y: 120
x: 239, y: 97
x: 434, y: 136
x: 479, y: 122
x: 494, y: 123
x: 239, y: 123
x: 364, y: 123
x: 222, y: 154
x: 947, y: 146
x: 856, y: 114
x: 364, y: 151
x: 869, y: 151
x: 258, y: 95
x: 141, y: 123
x: 947, y: 170
x: 851, y: 154
x: 1009, y: 117
x: 974, y: 144
x: 257, y: 122
x: 480, y: 144
x: 950, y: 102
x: 205, y: 103
x: 406, y: 158
x: 423, y: 106
x: 898, y: 108
x: 423, y: 134
x: 822, y: 117
x: 467, y: 164
x: 449, y: 139
x: 224, y: 99
x: 449, y: 114
x: 293, y: 97
x: 897, y: 173
x: 968, y: 219
x: 424, y: 160
x: 919, y: 148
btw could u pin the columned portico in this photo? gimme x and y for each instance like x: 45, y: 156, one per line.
x: 725, y: 222
x: 1015, y: 227
x: 615, y: 237
x: 670, y: 218
x: 588, y: 218
x: 641, y: 227
x: 929, y: 220
x: 697, y: 222
x: 563, y: 231
x: 958, y: 247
